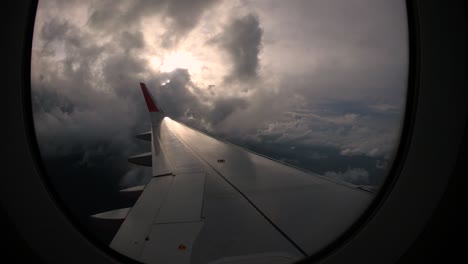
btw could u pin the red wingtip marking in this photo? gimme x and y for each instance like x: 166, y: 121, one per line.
x: 148, y: 98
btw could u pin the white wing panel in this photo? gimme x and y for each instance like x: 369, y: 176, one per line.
x: 130, y: 238
x: 310, y: 209
x: 184, y: 201
x: 171, y: 243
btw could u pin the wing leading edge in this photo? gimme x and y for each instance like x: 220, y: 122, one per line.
x: 212, y: 202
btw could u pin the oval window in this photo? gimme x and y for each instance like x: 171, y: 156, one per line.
x: 218, y: 131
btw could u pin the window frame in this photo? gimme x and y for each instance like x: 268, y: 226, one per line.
x: 409, y: 196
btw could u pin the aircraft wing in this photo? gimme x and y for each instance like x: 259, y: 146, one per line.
x: 212, y: 202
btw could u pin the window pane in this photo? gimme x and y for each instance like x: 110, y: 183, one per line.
x: 318, y: 87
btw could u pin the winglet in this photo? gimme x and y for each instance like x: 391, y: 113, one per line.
x: 150, y: 102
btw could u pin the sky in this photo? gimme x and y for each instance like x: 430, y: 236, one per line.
x: 320, y: 85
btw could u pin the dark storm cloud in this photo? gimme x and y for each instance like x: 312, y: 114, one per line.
x: 175, y: 97
x: 87, y: 99
x: 242, y: 39
x: 91, y: 94
x: 47, y: 101
x: 225, y: 107
x: 53, y: 29
x: 78, y: 55
x: 181, y: 16
x: 56, y: 31
x: 81, y: 88
x: 121, y: 73
x: 182, y: 100
x: 184, y: 15
x: 133, y: 40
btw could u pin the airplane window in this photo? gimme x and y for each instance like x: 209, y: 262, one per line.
x: 218, y: 131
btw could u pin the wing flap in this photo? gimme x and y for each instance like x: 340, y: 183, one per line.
x: 185, y: 200
x: 171, y: 243
x: 130, y: 238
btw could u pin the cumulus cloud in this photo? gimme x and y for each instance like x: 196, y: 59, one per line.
x: 79, y: 89
x: 131, y: 40
x: 183, y: 16
x: 242, y: 40
x: 312, y: 73
x: 351, y: 133
x: 179, y: 16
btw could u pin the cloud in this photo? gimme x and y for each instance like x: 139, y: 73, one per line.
x: 179, y: 16
x: 356, y: 176
x: 242, y: 40
x: 317, y: 155
x: 351, y: 134
x: 132, y: 40
x: 184, y: 15
x: 225, y: 107
x: 54, y: 28
x: 79, y: 89
x: 257, y: 75
x: 135, y: 176
x: 382, y: 164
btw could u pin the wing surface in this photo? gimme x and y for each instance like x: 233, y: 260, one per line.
x: 213, y: 202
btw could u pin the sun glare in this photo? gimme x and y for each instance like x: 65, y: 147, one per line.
x: 182, y: 60
x: 155, y: 63
x: 200, y: 70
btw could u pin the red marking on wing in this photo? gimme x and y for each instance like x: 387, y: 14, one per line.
x: 149, y: 99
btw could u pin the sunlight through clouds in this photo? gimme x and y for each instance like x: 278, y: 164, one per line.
x: 304, y: 73
x: 319, y: 85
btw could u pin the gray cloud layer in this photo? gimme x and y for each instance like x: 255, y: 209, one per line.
x: 181, y: 16
x: 338, y: 84
x: 242, y: 39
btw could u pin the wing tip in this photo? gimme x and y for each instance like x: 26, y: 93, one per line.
x: 150, y: 103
